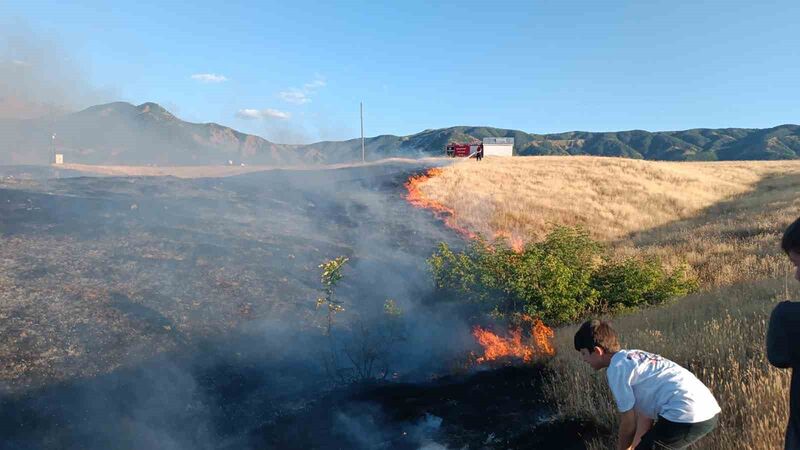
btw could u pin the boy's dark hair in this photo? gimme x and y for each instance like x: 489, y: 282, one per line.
x: 596, y: 333
x: 791, y: 238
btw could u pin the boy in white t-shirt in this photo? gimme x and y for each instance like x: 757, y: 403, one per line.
x: 648, y: 388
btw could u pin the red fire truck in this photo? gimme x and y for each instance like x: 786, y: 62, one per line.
x: 454, y: 150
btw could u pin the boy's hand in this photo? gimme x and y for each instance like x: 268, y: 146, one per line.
x: 627, y: 430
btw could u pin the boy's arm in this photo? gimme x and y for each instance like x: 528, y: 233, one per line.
x: 619, y: 381
x: 627, y: 430
x: 643, y: 425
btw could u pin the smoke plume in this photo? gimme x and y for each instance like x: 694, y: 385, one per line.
x: 39, y: 77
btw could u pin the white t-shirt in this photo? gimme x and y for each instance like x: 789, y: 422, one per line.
x: 655, y: 386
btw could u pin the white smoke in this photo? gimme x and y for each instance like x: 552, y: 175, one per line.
x: 39, y: 77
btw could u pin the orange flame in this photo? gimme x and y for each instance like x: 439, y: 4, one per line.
x: 448, y: 215
x: 517, y: 243
x: 543, y: 338
x: 418, y: 200
x: 497, y: 347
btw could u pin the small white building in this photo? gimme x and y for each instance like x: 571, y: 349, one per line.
x: 498, y: 146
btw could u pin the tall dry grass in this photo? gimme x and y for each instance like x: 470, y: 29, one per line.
x: 723, y: 219
x: 611, y: 197
x: 719, y: 333
x: 733, y: 241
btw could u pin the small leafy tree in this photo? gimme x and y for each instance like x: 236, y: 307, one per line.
x: 552, y: 280
x: 373, y: 342
x: 631, y: 283
x: 331, y: 275
x: 362, y: 349
x: 561, y: 279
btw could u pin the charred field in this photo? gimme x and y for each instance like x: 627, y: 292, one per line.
x: 499, y: 408
x: 156, y: 312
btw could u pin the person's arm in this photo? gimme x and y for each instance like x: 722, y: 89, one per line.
x: 627, y: 430
x: 778, y: 351
x: 643, y: 425
x: 619, y: 374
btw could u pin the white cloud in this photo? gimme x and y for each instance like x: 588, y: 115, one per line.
x: 268, y: 113
x: 318, y: 82
x: 275, y: 113
x: 295, y: 96
x: 303, y: 96
x: 248, y: 114
x: 209, y: 78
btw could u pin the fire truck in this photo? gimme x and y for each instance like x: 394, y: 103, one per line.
x: 454, y: 150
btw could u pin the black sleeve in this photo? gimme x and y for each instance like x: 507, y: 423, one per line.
x: 782, y: 335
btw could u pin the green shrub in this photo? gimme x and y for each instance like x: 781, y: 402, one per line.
x: 561, y: 279
x: 633, y: 282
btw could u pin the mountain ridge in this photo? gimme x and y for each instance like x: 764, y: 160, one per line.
x: 123, y: 133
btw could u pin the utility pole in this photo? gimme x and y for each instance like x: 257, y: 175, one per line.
x: 363, y: 155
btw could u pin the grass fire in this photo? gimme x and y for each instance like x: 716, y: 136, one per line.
x: 536, y: 344
x: 238, y: 227
x: 416, y: 198
x: 206, y: 325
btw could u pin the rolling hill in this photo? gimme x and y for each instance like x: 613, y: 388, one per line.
x: 122, y: 133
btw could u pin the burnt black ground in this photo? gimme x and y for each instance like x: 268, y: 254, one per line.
x: 97, y: 273
x: 500, y: 408
x: 165, y: 313
x: 233, y: 404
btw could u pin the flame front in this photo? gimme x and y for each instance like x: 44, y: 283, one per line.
x: 516, y: 346
x: 540, y: 340
x: 448, y: 215
x: 418, y: 200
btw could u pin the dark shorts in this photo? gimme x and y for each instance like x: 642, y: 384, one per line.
x: 673, y: 435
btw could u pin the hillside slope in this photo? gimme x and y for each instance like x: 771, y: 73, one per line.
x: 781, y: 142
x: 611, y: 197
x: 121, y: 133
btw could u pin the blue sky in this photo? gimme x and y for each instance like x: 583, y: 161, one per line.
x: 296, y: 71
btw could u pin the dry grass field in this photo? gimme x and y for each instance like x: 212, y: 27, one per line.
x: 724, y: 219
x: 612, y: 197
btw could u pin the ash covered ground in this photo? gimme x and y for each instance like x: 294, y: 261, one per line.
x: 166, y: 313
